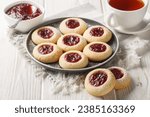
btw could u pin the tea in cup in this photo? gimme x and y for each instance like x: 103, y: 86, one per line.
x: 126, y: 13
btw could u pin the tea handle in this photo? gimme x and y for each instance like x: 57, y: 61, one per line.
x: 109, y: 20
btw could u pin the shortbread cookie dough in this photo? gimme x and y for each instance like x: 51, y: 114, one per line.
x: 73, y: 60
x: 45, y: 34
x: 97, y: 34
x: 73, y: 25
x: 47, y: 52
x: 71, y: 41
x: 123, y: 79
x: 97, y: 51
x: 99, y: 82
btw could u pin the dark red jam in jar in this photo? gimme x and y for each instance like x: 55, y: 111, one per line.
x: 72, y: 57
x: 71, y: 40
x: 98, y: 78
x: 45, y: 49
x: 97, y: 32
x: 117, y: 73
x: 23, y: 11
x: 45, y: 33
x: 71, y: 23
x: 97, y: 47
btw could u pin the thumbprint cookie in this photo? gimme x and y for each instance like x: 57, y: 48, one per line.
x: 73, y: 60
x: 97, y: 51
x: 71, y: 41
x: 47, y: 52
x: 123, y: 79
x: 73, y: 25
x: 99, y: 82
x: 45, y: 34
x: 97, y: 34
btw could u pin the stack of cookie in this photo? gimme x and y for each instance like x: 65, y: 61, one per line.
x: 73, y: 45
x: 100, y: 82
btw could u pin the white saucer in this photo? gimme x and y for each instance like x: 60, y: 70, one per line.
x: 135, y: 30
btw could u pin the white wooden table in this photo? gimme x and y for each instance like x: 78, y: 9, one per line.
x: 17, y: 78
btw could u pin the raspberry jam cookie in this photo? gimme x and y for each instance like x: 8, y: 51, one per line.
x: 73, y: 60
x: 97, y: 51
x: 47, y: 52
x: 123, y: 79
x: 45, y: 34
x: 71, y: 41
x: 73, y: 25
x: 97, y: 34
x: 99, y: 82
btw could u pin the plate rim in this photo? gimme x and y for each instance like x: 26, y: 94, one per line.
x: 69, y: 70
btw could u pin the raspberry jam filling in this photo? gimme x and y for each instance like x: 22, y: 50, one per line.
x: 98, y: 78
x: 45, y: 49
x: 117, y: 73
x: 71, y: 40
x: 72, y: 23
x: 23, y: 11
x: 97, y: 47
x: 45, y: 33
x: 97, y: 32
x: 72, y: 57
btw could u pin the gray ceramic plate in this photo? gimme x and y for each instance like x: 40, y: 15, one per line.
x: 55, y: 66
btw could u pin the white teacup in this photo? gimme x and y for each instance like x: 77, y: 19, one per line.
x: 126, y: 19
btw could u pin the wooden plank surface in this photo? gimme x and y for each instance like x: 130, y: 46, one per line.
x: 17, y: 77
